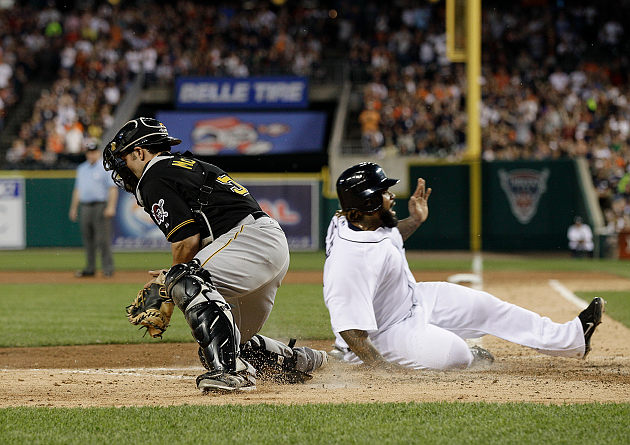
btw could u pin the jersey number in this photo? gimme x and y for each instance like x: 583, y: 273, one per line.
x: 184, y: 163
x: 236, y: 187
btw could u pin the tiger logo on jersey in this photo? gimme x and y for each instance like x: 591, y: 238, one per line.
x: 159, y: 214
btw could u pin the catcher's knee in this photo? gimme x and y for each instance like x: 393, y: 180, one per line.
x: 189, y: 282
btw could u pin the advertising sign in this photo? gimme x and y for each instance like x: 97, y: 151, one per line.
x: 250, y: 92
x: 293, y: 203
x: 12, y: 222
x: 133, y: 227
x: 246, y: 133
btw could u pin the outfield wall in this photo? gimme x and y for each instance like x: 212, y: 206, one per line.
x: 525, y: 206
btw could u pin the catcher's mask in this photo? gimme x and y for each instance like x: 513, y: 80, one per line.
x: 361, y: 187
x: 140, y: 132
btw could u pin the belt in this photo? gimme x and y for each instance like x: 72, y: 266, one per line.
x: 259, y: 214
x: 93, y: 203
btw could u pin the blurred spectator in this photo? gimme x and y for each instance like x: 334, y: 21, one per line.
x: 580, y: 239
x: 100, y: 50
x: 371, y: 137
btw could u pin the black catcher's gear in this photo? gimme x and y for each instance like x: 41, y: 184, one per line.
x: 276, y: 361
x: 140, y: 132
x: 207, y: 314
x: 360, y: 187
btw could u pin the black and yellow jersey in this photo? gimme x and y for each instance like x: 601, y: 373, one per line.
x: 185, y: 196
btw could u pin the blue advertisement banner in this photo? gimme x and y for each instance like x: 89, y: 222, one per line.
x: 273, y: 133
x: 12, y: 214
x: 293, y: 203
x: 250, y: 92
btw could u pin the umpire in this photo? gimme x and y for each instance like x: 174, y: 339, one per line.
x: 229, y: 257
x: 94, y: 198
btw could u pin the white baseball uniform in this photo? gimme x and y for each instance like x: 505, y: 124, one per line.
x: 368, y: 286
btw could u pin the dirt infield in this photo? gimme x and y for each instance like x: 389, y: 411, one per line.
x: 164, y: 373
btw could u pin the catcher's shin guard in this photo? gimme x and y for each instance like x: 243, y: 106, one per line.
x: 208, y: 315
x: 283, y: 363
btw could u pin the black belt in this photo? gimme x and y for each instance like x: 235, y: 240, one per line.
x: 93, y: 203
x: 258, y: 214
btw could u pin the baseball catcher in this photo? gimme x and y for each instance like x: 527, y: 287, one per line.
x: 229, y: 258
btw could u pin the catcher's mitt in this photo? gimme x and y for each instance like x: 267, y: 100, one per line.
x: 152, y: 309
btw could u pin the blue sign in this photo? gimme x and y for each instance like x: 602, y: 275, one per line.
x: 293, y: 203
x: 133, y: 227
x: 12, y: 214
x: 250, y: 92
x: 272, y: 133
x: 10, y: 188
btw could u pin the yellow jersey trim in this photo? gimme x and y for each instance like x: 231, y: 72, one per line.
x: 179, y: 226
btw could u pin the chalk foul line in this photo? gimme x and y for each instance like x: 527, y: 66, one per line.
x: 567, y: 294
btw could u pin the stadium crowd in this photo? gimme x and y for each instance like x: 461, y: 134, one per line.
x: 554, y: 84
x: 101, y: 50
x: 555, y: 81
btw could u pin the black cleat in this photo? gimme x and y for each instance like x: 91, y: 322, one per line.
x: 225, y: 382
x: 590, y: 318
x: 83, y: 273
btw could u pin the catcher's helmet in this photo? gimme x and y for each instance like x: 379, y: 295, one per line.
x: 140, y: 132
x: 361, y: 187
x: 143, y: 131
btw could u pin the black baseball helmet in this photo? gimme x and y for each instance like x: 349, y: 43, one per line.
x: 140, y: 132
x: 361, y: 187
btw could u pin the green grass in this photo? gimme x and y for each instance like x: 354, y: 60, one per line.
x: 523, y: 263
x: 90, y: 313
x: 618, y: 303
x: 55, y: 259
x: 374, y: 423
x: 51, y: 259
x: 71, y: 314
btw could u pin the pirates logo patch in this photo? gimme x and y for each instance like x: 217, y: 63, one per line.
x: 159, y: 214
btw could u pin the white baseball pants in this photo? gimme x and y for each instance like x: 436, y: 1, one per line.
x: 446, y: 314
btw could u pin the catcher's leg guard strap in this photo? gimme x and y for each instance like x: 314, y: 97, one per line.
x: 271, y: 357
x: 207, y: 314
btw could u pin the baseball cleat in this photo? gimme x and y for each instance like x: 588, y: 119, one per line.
x: 308, y: 360
x: 321, y: 359
x: 225, y: 382
x: 481, y: 356
x: 590, y: 318
x: 83, y: 273
x: 336, y: 353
